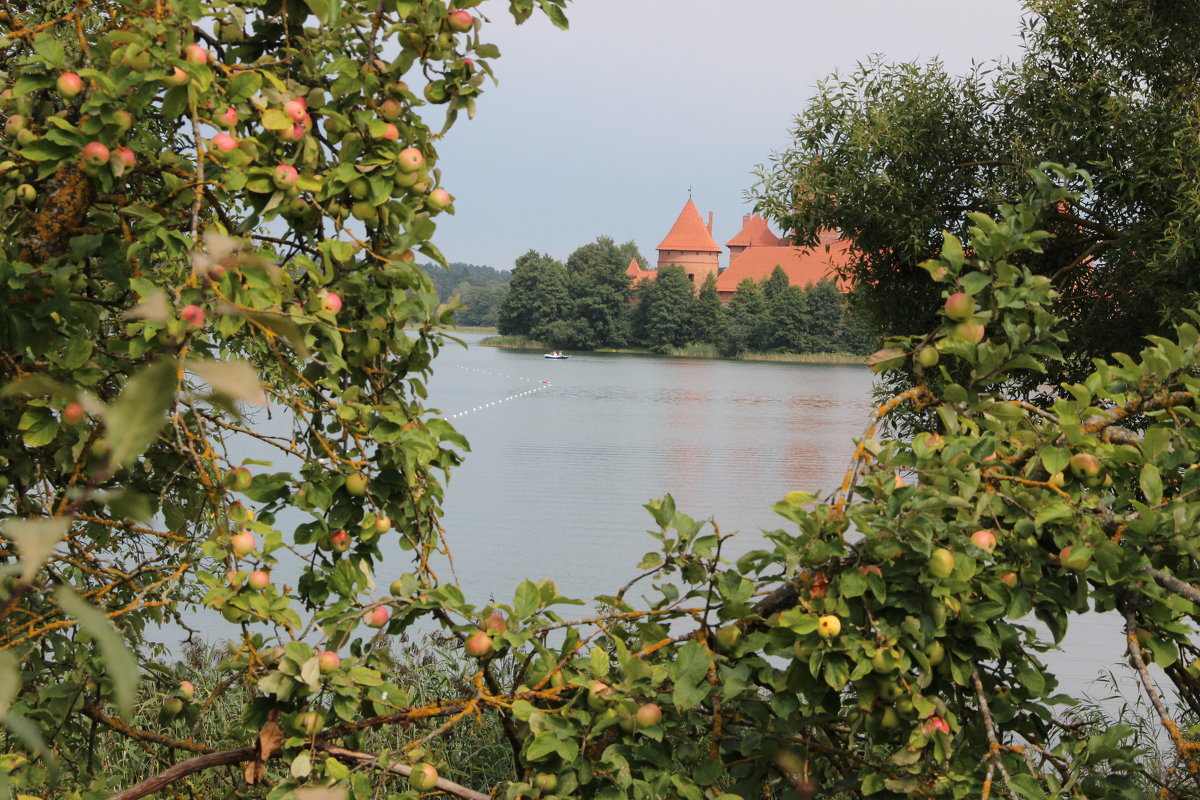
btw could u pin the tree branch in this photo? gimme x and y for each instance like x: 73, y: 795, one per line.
x: 185, y: 768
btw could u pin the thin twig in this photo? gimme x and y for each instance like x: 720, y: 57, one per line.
x: 989, y: 727
x: 400, y: 768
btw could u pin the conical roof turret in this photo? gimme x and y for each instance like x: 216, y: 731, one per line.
x: 689, y: 233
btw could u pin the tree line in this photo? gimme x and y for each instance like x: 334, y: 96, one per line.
x: 480, y: 290
x: 591, y: 302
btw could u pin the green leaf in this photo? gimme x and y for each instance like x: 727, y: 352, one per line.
x: 556, y: 15
x: 1151, y: 483
x: 36, y: 540
x: 135, y: 418
x: 542, y: 745
x: 952, y: 252
x: 243, y: 85
x: 526, y: 599
x: 119, y: 661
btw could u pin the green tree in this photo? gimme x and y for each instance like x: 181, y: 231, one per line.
x: 747, y: 320
x: 789, y: 321
x: 893, y: 154
x: 826, y: 316
x: 600, y: 290
x: 668, y: 299
x: 708, y: 313
x: 775, y: 283
x: 537, y: 295
x: 481, y: 304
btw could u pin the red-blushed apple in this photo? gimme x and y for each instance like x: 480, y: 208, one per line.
x: 937, y: 725
x: 828, y: 626
x: 1085, y: 465
x: 176, y: 77
x: 496, y: 622
x: 599, y: 694
x: 224, y: 143
x: 984, y: 540
x: 17, y: 123
x: 126, y: 156
x: 339, y: 541
x: 439, y: 200
x: 331, y: 302
x: 423, y: 777
x: 95, y: 154
x: 410, y: 159
x: 124, y: 120
x: 229, y: 117
x: 383, y: 524
x: 187, y: 689
x: 285, y: 177
x: 72, y: 413
x: 193, y: 315
x: 328, y: 661
x: 390, y: 133
x: 259, y: 580
x: 377, y: 617
x: 407, y: 257
x: 941, y: 563
x: 389, y: 109
x: 649, y: 714
x: 959, y: 306
x: 969, y: 331
x: 69, y: 84
x: 195, y: 54
x: 243, y: 543
x: 461, y: 21
x: 1009, y: 579
x: 296, y: 110
x: 292, y: 134
x: 239, y: 479
x: 479, y: 644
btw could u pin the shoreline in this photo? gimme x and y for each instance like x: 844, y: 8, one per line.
x: 508, y: 343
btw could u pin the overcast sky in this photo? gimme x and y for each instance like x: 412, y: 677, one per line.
x: 601, y: 129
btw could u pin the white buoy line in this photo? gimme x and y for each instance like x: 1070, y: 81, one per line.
x: 541, y: 385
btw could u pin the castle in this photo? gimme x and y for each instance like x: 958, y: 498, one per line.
x: 753, y: 253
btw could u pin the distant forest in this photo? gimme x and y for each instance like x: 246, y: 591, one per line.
x: 480, y: 289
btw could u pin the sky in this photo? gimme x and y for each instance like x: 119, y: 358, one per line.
x: 602, y: 129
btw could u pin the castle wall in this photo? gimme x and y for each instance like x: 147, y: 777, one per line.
x: 696, y: 264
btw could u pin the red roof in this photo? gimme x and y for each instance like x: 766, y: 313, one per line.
x: 802, y: 266
x: 755, y: 233
x: 689, y: 233
x: 635, y: 271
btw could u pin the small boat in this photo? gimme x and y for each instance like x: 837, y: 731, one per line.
x: 555, y: 355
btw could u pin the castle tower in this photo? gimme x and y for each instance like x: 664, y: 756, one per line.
x: 690, y: 244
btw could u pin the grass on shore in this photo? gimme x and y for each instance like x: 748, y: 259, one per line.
x: 691, y: 351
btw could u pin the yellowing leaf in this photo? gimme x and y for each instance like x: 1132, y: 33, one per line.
x: 153, y: 307
x: 119, y: 662
x: 234, y: 379
x: 36, y: 540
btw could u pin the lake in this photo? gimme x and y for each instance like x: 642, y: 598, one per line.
x: 565, y: 454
